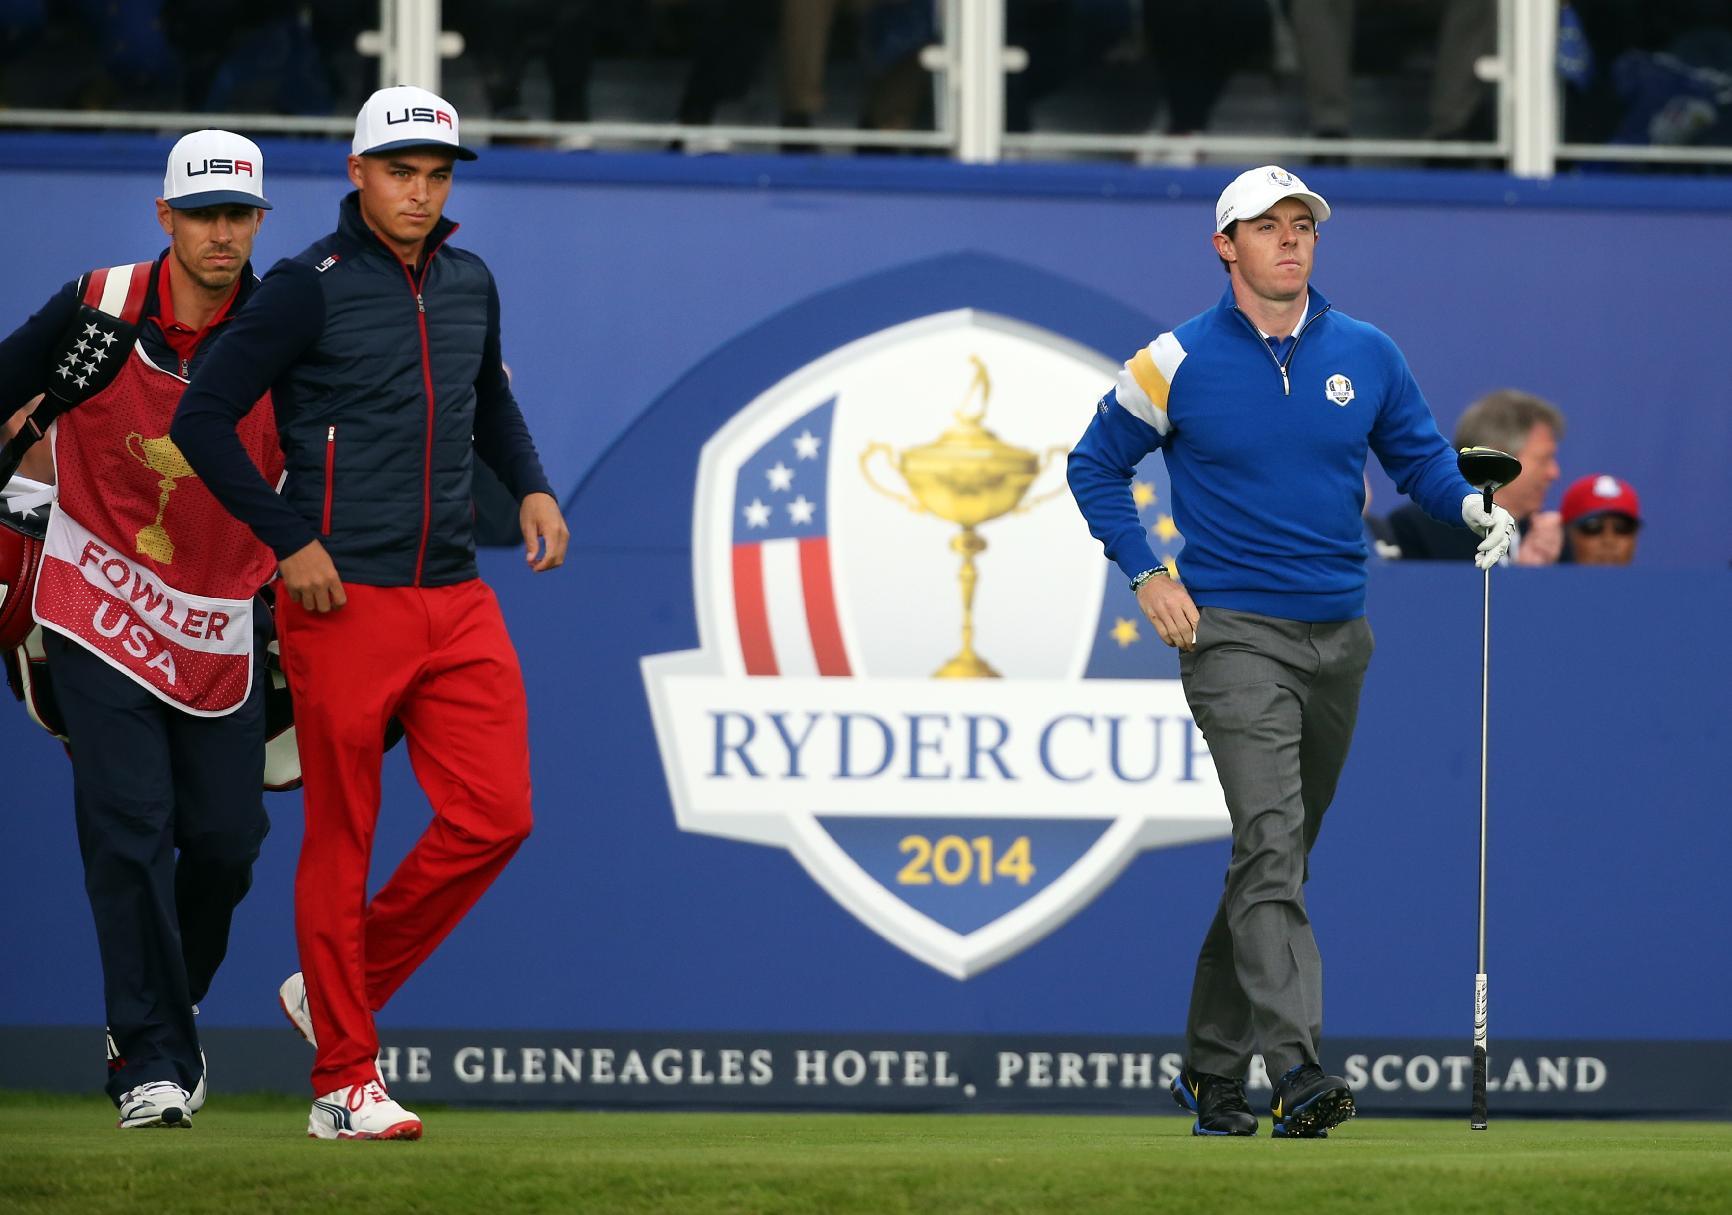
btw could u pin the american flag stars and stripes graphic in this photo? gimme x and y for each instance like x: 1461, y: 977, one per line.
x: 784, y: 595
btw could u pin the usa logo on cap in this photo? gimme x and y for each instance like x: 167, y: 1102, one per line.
x: 210, y: 168
x: 407, y: 117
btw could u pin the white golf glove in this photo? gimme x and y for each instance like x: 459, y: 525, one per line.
x: 1498, y: 528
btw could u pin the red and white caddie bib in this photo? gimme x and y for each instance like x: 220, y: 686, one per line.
x: 141, y: 565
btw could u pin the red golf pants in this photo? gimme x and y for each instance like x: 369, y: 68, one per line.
x: 439, y: 660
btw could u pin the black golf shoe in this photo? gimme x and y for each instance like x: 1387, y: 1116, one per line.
x: 1307, y: 1103
x: 1218, y: 1103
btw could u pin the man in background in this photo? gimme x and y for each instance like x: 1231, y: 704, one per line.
x: 1602, y: 516
x: 1528, y: 428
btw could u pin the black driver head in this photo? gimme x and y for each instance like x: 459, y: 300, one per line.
x: 1486, y: 468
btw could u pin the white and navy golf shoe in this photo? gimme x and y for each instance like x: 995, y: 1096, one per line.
x: 361, y: 1111
x: 156, y: 1103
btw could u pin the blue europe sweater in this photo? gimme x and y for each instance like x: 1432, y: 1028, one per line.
x: 1266, y: 453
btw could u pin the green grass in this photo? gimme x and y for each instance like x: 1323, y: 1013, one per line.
x: 249, y: 1155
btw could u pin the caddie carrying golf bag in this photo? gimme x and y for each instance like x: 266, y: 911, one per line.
x: 106, y: 321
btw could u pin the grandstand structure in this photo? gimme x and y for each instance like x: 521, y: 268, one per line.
x: 968, y: 55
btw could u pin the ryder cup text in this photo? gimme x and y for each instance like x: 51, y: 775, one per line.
x: 1069, y: 748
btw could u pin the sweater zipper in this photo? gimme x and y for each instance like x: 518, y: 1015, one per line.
x: 427, y: 386
x: 427, y: 445
x: 1286, y: 386
x: 330, y: 472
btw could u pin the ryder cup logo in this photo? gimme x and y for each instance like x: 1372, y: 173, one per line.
x: 1338, y: 388
x: 913, y: 671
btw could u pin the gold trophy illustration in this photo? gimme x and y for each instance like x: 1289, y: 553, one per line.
x: 162, y: 457
x: 967, y: 476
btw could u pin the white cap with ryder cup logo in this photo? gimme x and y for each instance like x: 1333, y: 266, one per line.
x: 407, y: 117
x: 209, y: 168
x: 1256, y: 190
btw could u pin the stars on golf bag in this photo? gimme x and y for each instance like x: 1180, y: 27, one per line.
x: 82, y: 361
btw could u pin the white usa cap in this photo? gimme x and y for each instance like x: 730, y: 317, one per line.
x: 1256, y: 190
x: 207, y: 168
x: 407, y: 117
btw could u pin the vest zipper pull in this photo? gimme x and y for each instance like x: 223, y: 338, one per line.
x: 185, y: 369
x: 419, y: 305
x: 1286, y: 388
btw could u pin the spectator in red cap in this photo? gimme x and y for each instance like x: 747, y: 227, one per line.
x: 1601, y: 518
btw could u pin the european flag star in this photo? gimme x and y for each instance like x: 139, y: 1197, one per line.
x: 1142, y: 493
x: 1124, y: 631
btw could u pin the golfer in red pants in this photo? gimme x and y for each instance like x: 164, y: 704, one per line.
x: 381, y: 346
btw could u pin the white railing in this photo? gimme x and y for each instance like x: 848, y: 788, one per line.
x: 968, y: 65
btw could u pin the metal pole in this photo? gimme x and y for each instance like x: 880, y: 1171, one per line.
x: 409, y: 43
x: 980, y: 80
x: 1530, y: 74
x: 418, y: 43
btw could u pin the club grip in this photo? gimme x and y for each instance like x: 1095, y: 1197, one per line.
x: 1478, y: 1120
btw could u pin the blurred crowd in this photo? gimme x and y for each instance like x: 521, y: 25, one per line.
x: 1631, y: 71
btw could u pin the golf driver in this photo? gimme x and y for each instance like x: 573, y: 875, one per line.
x: 1487, y: 470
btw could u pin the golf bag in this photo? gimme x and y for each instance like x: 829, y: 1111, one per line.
x: 21, y: 533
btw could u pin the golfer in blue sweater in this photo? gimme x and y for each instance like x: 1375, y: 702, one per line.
x: 1265, y: 408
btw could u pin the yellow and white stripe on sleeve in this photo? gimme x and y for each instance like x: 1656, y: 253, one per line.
x: 1145, y: 381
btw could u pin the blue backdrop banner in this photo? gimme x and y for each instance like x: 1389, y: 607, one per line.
x: 844, y: 736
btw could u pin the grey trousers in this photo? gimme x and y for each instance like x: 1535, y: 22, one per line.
x: 1276, y: 701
